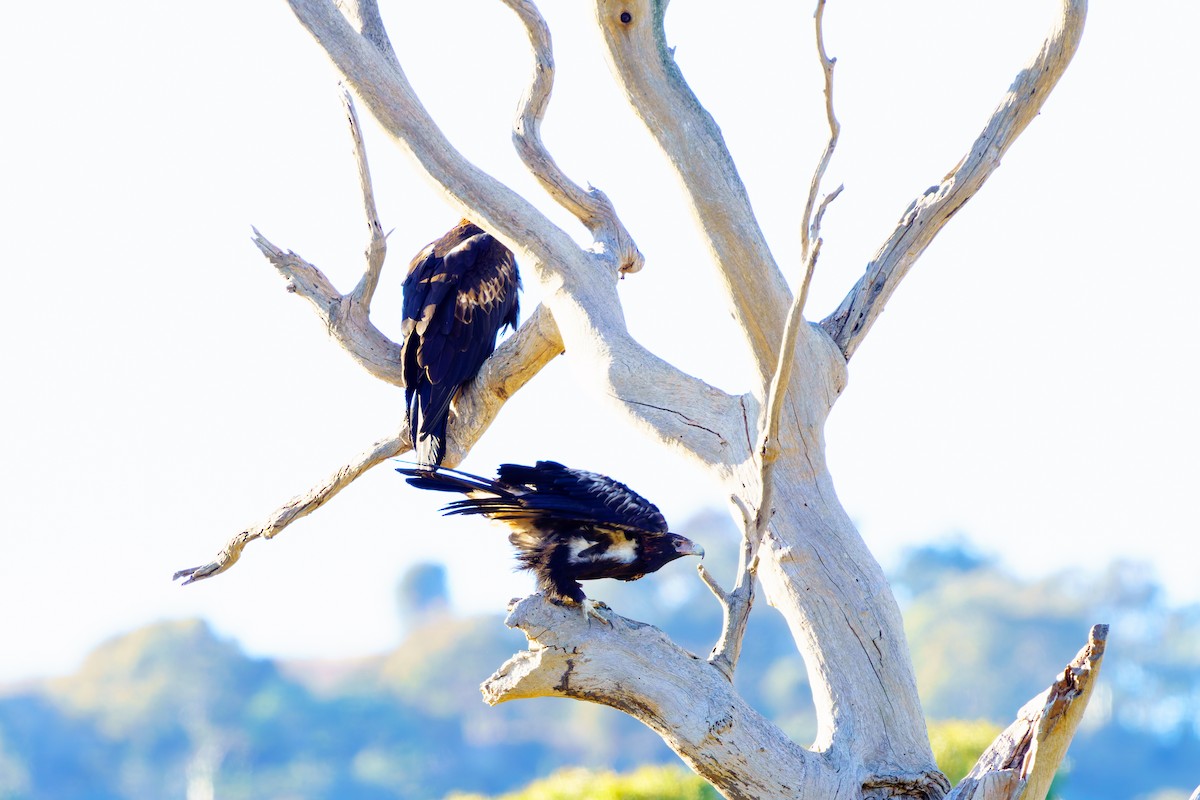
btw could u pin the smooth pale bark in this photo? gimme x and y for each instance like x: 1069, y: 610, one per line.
x: 645, y: 68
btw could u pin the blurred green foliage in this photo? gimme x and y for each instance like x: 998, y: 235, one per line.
x: 958, y: 743
x: 644, y: 783
x: 171, y: 710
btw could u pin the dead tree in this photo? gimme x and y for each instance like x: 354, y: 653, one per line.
x: 765, y: 447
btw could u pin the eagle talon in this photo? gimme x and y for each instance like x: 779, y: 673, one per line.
x: 591, y: 608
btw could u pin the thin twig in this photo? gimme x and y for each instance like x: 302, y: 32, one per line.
x: 591, y: 206
x: 300, y: 506
x: 736, y: 605
x: 835, y: 130
x: 377, y: 244
x: 518, y: 358
x: 810, y: 250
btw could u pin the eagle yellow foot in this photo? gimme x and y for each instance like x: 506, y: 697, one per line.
x: 591, y: 608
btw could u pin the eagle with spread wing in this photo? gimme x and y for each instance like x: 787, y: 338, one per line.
x: 568, y: 525
x: 460, y: 292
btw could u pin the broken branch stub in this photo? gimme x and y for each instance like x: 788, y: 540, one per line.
x: 1021, y: 762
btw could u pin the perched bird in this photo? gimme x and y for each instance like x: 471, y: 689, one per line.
x: 567, y: 525
x: 461, y: 290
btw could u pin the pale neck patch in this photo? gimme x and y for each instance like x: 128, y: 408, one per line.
x: 622, y: 549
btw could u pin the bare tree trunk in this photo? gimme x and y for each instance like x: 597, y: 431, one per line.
x: 766, y: 447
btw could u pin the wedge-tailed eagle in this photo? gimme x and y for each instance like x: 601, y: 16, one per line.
x: 460, y: 292
x: 568, y: 525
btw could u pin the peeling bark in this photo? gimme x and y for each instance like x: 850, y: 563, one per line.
x: 1021, y: 762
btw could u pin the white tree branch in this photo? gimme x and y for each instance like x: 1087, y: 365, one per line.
x: 815, y: 567
x: 735, y: 604
x: 848, y: 325
x: 1021, y: 762
x: 346, y: 317
x: 515, y: 362
x: 757, y: 293
x: 818, y: 573
x: 364, y: 16
x: 377, y: 243
x: 592, y: 207
x: 835, y: 129
x: 681, y: 697
x: 300, y: 506
x: 677, y: 408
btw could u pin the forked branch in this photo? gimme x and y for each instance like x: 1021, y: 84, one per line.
x: 735, y: 604
x: 364, y: 16
x: 920, y: 223
x: 347, y: 316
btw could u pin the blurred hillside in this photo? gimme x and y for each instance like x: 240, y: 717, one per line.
x: 172, y: 711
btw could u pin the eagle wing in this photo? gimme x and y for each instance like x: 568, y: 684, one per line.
x: 568, y: 525
x: 547, y: 493
x: 458, y: 295
x: 582, y: 497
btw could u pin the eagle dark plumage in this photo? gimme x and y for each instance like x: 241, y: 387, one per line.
x: 568, y: 525
x: 460, y: 292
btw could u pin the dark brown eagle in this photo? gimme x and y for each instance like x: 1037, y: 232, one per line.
x: 461, y: 290
x: 567, y: 525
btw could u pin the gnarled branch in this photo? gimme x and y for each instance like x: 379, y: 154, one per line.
x: 683, y: 410
x: 346, y: 316
x: 848, y: 325
x: 871, y: 738
x: 681, y: 697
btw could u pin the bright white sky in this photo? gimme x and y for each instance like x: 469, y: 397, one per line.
x: 1032, y: 385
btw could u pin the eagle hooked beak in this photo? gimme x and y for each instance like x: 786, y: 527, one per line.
x: 686, y: 547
